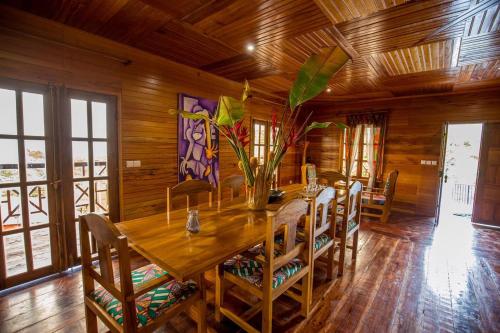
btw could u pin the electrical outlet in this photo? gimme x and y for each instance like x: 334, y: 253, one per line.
x: 137, y: 164
x: 434, y: 162
x: 129, y: 164
x: 422, y: 162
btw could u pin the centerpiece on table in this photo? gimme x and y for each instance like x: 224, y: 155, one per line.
x: 312, y: 79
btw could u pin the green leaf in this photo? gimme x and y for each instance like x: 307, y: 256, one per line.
x: 189, y: 115
x: 341, y: 126
x: 229, y: 111
x: 246, y: 91
x: 315, y: 124
x: 314, y: 75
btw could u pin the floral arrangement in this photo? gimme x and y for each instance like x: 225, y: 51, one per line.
x: 312, y: 79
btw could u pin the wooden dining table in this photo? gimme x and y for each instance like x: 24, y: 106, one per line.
x: 224, y: 232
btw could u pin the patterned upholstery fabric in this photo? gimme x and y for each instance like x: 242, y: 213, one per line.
x: 252, y: 271
x: 150, y: 305
x: 378, y: 199
x: 319, y: 242
x: 350, y: 225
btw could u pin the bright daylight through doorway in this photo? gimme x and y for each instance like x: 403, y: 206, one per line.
x: 460, y: 172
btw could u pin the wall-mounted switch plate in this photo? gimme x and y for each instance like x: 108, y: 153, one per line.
x: 137, y: 164
x: 129, y: 164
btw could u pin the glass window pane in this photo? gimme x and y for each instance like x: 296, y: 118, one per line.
x: 10, y: 208
x: 99, y: 120
x: 81, y: 198
x: 9, y: 161
x: 364, y: 170
x: 256, y: 134
x: 79, y: 118
x: 101, y: 196
x: 100, y: 159
x: 8, y: 125
x: 262, y: 136
x: 261, y: 154
x: 35, y: 160
x: 33, y: 114
x: 354, y: 170
x: 15, y: 254
x: 40, y: 245
x: 38, y: 204
x: 77, y: 228
x: 365, y: 152
x: 80, y: 159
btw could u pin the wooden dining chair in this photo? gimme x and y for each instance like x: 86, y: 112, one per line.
x: 323, y: 229
x: 377, y: 202
x: 234, y: 183
x: 347, y: 224
x: 273, y: 272
x: 140, y: 300
x: 190, y: 189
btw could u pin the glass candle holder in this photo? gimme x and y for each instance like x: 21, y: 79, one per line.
x: 193, y: 222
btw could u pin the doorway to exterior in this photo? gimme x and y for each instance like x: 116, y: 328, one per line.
x: 459, y: 171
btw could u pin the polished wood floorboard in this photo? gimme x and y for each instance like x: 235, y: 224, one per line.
x: 409, y: 277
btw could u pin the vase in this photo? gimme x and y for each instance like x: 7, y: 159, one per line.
x: 258, y: 194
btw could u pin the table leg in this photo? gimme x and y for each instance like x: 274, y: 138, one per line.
x: 202, y: 306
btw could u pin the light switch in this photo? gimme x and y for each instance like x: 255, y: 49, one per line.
x: 129, y: 164
x: 422, y: 162
x: 434, y: 162
x: 428, y: 162
x: 137, y: 164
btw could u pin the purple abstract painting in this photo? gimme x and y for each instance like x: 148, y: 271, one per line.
x: 198, y: 141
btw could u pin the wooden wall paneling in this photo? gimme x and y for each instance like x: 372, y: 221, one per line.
x: 413, y: 134
x: 38, y: 50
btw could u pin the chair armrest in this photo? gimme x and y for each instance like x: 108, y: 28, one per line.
x: 374, y: 190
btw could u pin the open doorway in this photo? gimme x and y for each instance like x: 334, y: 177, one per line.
x: 460, y: 169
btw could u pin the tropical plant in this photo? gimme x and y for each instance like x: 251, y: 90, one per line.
x: 312, y: 79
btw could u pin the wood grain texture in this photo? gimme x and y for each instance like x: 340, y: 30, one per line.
x: 397, y: 285
x: 413, y: 134
x: 384, y: 38
x: 35, y: 49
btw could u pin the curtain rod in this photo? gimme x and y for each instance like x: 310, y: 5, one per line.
x: 357, y: 113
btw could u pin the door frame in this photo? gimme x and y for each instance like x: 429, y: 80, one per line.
x: 53, y: 193
x: 442, y: 159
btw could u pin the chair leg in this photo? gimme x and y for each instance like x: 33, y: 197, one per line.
x: 330, y: 263
x: 355, y: 245
x: 219, y: 291
x: 90, y: 320
x: 307, y: 282
x: 267, y: 314
x: 342, y: 255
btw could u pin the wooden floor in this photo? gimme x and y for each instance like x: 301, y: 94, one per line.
x: 409, y: 277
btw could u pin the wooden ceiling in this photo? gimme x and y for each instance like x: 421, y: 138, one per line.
x: 398, y: 47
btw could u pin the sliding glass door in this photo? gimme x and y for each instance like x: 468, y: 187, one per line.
x: 27, y: 212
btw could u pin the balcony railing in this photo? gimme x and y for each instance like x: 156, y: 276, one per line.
x: 463, y: 194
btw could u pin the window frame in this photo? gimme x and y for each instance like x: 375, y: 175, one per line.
x: 266, y: 145
x: 361, y: 148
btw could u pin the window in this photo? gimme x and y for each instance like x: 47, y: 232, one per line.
x: 262, y: 142
x: 259, y: 144
x: 361, y: 170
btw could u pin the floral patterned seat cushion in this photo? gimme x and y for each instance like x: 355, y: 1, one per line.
x: 378, y: 199
x: 252, y: 271
x: 150, y: 305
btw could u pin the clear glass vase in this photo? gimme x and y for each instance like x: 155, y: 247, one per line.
x: 193, y: 222
x: 258, y: 194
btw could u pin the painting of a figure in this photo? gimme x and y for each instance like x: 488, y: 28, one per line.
x: 198, y: 141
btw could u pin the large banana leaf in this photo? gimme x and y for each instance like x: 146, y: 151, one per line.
x: 229, y: 111
x: 315, y: 124
x: 315, y: 73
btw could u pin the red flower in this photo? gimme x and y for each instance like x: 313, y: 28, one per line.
x: 274, y: 123
x: 241, y: 132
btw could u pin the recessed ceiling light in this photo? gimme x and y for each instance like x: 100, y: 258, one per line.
x: 328, y: 90
x: 250, y: 47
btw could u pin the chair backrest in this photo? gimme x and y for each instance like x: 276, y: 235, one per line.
x: 189, y: 189
x: 390, y: 185
x: 106, y: 237
x: 320, y: 205
x: 331, y: 177
x: 308, y: 170
x: 285, y: 220
x: 353, y: 211
x: 234, y: 183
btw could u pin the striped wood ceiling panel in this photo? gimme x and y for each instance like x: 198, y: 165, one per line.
x: 484, y: 22
x: 421, y: 58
